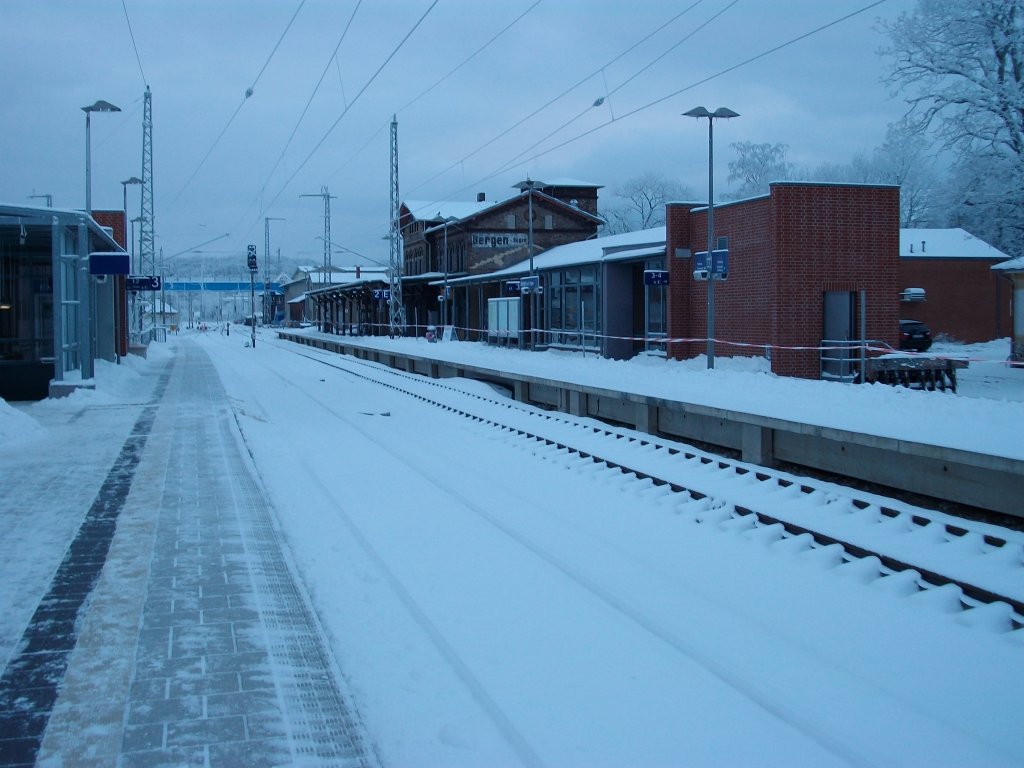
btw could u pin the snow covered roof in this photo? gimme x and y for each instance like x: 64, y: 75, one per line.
x: 567, y: 182
x: 444, y: 209
x: 624, y: 247
x: 952, y: 243
x: 1013, y: 265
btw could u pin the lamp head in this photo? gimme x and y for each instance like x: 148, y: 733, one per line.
x: 703, y: 112
x: 101, y: 106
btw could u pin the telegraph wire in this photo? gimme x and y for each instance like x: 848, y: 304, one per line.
x: 248, y: 94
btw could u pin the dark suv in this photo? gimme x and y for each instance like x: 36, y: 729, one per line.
x: 914, y: 335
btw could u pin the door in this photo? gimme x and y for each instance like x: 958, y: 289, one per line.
x: 838, y: 355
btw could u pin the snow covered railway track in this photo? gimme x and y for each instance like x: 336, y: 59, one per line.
x: 974, y: 568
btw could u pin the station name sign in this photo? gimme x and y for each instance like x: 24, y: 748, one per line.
x: 498, y: 239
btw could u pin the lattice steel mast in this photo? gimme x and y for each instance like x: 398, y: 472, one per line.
x: 147, y: 244
x: 396, y: 312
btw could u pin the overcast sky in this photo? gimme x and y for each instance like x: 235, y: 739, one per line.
x: 223, y: 163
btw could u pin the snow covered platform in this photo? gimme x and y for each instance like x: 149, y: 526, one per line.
x: 172, y: 631
x: 860, y: 433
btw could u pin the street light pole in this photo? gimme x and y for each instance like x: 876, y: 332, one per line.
x: 447, y: 267
x: 529, y: 185
x: 99, y: 106
x: 721, y: 112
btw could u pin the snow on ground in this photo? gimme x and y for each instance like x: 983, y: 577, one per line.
x: 492, y: 603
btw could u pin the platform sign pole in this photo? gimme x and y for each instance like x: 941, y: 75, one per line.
x: 253, y: 266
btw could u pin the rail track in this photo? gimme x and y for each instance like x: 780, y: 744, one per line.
x: 977, y: 567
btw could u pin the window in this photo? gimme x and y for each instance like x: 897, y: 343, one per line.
x: 549, y: 221
x: 510, y: 221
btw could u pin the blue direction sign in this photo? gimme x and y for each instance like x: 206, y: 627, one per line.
x: 655, y: 277
x: 112, y: 263
x: 142, y: 282
x: 717, y: 269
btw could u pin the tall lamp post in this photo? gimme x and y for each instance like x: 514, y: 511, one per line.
x: 528, y: 186
x: 124, y: 186
x: 721, y: 112
x: 99, y: 106
x: 447, y: 267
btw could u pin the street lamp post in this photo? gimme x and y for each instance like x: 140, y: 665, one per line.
x: 721, y: 112
x: 99, y: 106
x: 447, y: 267
x: 529, y: 185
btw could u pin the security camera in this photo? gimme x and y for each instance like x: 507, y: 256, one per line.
x: 701, y: 274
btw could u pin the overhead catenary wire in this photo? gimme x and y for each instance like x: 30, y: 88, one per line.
x: 346, y: 110
x: 436, y: 83
x: 316, y: 88
x: 135, y: 46
x: 248, y: 94
x: 619, y: 87
x: 691, y: 86
x: 561, y: 95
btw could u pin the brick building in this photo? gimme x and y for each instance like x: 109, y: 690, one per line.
x: 484, y: 237
x: 947, y: 282
x: 807, y: 262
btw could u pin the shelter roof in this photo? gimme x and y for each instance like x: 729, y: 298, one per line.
x: 953, y: 243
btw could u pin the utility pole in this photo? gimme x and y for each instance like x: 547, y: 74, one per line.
x: 396, y: 308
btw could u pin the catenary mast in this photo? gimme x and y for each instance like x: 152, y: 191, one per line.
x: 396, y: 314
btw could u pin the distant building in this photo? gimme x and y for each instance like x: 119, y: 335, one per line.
x: 298, y: 306
x: 947, y: 281
x: 1012, y: 271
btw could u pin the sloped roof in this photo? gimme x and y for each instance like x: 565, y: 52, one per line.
x: 954, y: 243
x: 436, y: 210
x: 1013, y: 265
x: 563, y: 181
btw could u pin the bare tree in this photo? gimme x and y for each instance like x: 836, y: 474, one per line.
x: 642, y: 202
x: 960, y: 66
x: 756, y: 166
x: 903, y: 159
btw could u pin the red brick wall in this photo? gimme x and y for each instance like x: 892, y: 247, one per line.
x: 785, y: 251
x: 116, y: 221
x: 964, y: 298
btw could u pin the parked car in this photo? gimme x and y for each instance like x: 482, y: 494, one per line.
x: 915, y: 335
